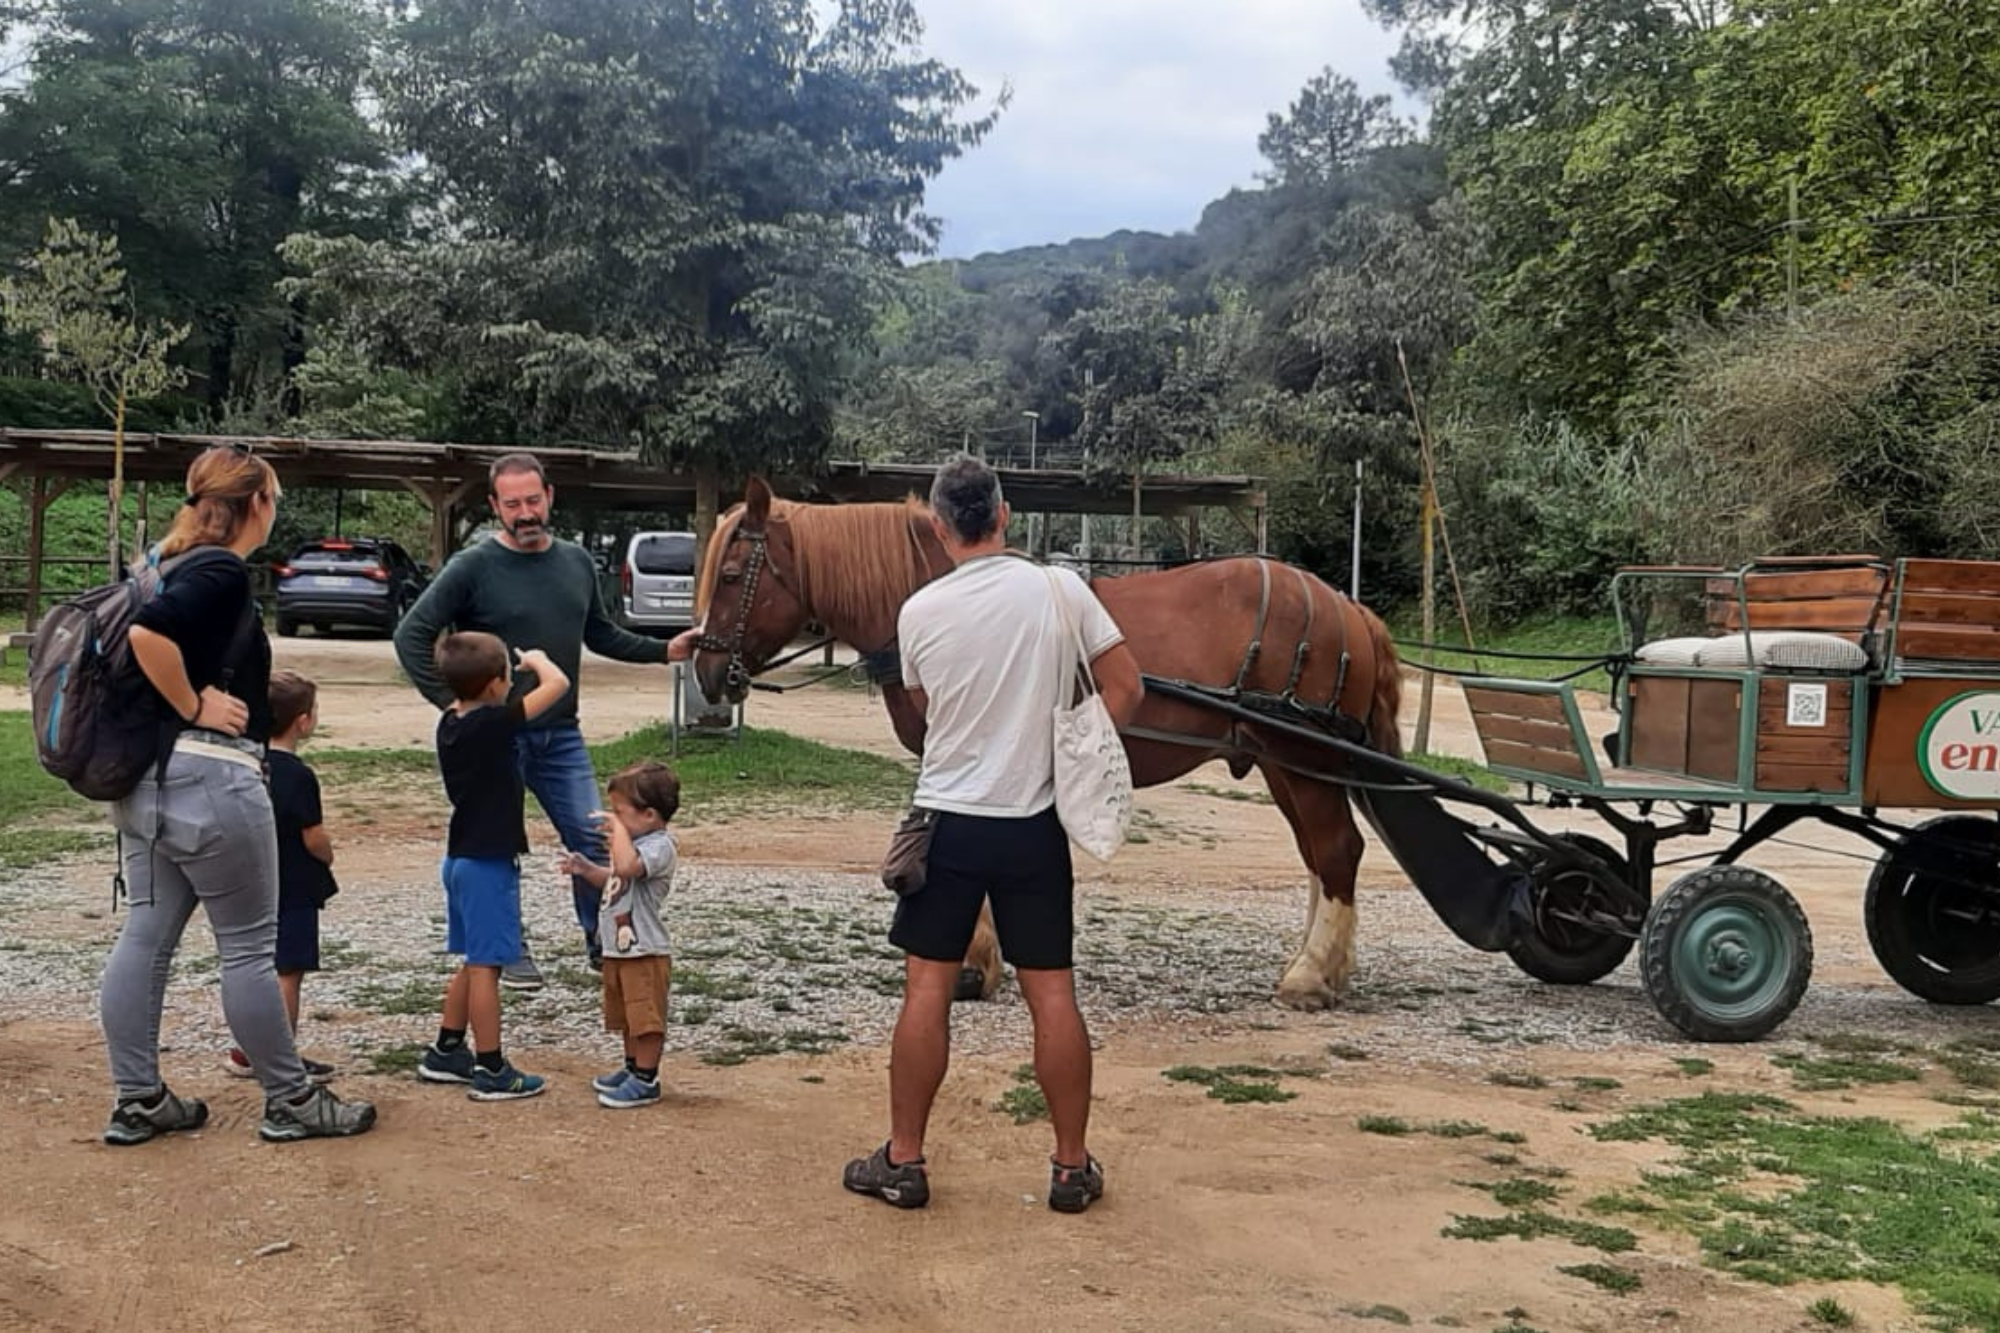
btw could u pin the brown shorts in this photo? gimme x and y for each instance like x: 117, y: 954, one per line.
x: 635, y: 995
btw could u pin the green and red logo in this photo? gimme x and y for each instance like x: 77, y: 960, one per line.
x: 1959, y: 750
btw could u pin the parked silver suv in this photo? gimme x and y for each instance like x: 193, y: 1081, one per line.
x: 656, y: 584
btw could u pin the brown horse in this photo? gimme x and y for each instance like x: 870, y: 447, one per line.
x: 774, y: 565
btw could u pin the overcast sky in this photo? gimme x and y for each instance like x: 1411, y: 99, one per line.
x: 1127, y: 113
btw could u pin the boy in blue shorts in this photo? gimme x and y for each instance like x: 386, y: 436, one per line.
x: 482, y: 869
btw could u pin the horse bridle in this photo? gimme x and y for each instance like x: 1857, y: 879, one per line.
x: 738, y: 674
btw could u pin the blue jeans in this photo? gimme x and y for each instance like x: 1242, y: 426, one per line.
x: 556, y: 768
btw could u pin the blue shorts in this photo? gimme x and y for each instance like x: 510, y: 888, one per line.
x: 482, y: 909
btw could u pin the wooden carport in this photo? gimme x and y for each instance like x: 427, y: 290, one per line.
x: 451, y: 479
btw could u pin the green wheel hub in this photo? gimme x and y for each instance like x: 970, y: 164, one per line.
x: 1733, y: 958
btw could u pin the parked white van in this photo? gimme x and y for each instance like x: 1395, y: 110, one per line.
x: 656, y: 585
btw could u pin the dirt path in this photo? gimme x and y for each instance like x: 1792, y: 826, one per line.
x: 721, y: 1209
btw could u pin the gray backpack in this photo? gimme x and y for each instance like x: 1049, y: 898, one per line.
x: 98, y: 721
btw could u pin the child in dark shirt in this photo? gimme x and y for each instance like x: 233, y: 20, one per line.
x: 305, y: 852
x: 482, y: 869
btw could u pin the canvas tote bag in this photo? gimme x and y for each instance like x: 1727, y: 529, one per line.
x: 1093, y: 777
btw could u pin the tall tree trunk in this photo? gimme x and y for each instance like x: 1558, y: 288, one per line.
x: 707, y: 500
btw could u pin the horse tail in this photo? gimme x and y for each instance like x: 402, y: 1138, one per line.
x: 1388, y: 700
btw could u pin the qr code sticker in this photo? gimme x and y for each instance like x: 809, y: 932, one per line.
x: 1805, y: 705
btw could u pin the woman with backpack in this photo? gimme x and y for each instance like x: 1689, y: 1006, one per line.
x: 198, y: 827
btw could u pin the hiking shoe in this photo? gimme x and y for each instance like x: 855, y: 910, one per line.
x: 446, y: 1066
x: 610, y: 1082
x: 522, y: 974
x: 1074, y: 1188
x: 634, y: 1091
x: 906, y: 1185
x: 504, y: 1084
x: 139, y: 1120
x: 317, y: 1071
x: 320, y: 1116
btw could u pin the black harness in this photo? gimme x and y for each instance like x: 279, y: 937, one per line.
x: 738, y: 676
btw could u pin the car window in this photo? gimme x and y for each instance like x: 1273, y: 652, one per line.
x: 664, y: 553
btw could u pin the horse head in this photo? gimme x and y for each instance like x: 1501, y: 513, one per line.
x: 749, y: 597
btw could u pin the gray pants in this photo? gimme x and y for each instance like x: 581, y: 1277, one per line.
x: 204, y: 833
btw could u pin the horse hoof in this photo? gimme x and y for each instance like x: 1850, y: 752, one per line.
x: 971, y: 984
x: 1311, y: 997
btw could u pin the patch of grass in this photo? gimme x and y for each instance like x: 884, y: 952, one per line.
x: 1532, y: 1224
x: 1845, y: 1071
x: 417, y: 995
x: 1520, y: 1193
x: 1618, y: 1281
x: 1508, y: 1078
x: 1775, y: 1195
x: 1383, y: 1124
x: 1248, y: 795
x: 695, y: 981
x: 1858, y: 1043
x: 1455, y: 766
x: 26, y: 847
x: 1342, y: 1051
x: 763, y: 764
x: 1388, y: 1314
x: 1831, y: 1312
x: 1509, y: 1136
x: 26, y: 789
x: 1559, y: 636
x: 1456, y: 1129
x: 1694, y: 1066
x: 1233, y: 1084
x: 1590, y: 1084
x: 395, y: 1059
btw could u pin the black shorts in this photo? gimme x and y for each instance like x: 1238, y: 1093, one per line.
x: 1022, y: 865
x: 298, y: 939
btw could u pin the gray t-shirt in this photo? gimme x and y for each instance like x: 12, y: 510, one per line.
x: 643, y: 899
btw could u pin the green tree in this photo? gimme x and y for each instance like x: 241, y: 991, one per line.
x: 669, y: 226
x: 74, y: 299
x: 201, y: 133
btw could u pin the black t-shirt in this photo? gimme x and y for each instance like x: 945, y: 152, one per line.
x: 303, y: 879
x: 475, y: 752
x: 200, y: 606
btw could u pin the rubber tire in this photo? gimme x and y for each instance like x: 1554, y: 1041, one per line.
x: 1548, y: 960
x: 287, y: 628
x: 1682, y: 908
x: 1890, y: 913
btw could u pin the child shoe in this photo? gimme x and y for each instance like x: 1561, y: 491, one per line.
x: 609, y: 1082
x: 634, y: 1091
x: 446, y: 1066
x: 504, y: 1084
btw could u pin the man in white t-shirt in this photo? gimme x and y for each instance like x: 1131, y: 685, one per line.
x: 983, y: 650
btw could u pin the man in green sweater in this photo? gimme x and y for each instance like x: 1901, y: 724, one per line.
x: 533, y: 591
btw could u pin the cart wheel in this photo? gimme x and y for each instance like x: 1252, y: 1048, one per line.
x: 1564, y: 951
x: 1933, y: 911
x: 1726, y: 954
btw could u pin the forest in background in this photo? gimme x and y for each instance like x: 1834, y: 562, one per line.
x: 1656, y: 279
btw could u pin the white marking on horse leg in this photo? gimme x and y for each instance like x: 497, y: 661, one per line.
x: 1305, y: 984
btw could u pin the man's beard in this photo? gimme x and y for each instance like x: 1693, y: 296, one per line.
x: 533, y: 529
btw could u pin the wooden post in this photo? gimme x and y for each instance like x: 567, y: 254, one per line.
x: 1194, y: 535
x: 1135, y: 515
x: 140, y: 543
x: 40, y: 496
x: 443, y: 496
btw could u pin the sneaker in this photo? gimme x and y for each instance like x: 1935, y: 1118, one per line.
x: 1074, y: 1188
x: 504, y: 1084
x: 611, y: 1081
x: 905, y: 1186
x: 522, y: 974
x: 446, y: 1066
x: 634, y: 1091
x: 239, y: 1065
x: 320, y: 1116
x: 136, y: 1121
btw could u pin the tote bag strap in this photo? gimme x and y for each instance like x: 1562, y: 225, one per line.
x: 1076, y: 660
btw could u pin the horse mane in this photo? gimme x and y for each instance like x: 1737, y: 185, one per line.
x: 855, y: 563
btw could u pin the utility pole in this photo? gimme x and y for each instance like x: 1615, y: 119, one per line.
x: 1354, y: 578
x: 1792, y: 249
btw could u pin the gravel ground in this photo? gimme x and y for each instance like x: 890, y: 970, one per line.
x: 789, y: 960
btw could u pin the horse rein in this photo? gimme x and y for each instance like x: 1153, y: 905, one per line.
x: 738, y: 676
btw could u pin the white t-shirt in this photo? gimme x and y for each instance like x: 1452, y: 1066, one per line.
x: 985, y: 645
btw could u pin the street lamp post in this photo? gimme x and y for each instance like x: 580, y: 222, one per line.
x: 1034, y: 520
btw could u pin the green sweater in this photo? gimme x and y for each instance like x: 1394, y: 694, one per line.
x: 543, y: 599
